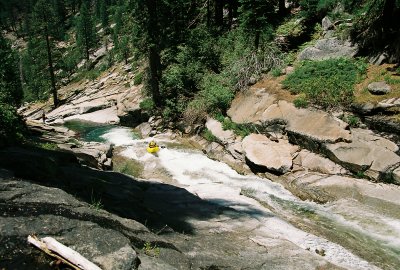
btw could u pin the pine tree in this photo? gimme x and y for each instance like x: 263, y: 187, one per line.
x: 44, y: 25
x: 10, y: 84
x: 255, y: 16
x: 85, y: 31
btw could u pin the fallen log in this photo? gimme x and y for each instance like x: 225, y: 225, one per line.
x: 67, y: 255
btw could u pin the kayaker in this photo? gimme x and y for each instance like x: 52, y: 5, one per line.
x: 153, y: 144
x: 153, y: 147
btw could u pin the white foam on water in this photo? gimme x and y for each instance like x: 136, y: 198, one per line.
x: 119, y: 136
x: 199, y: 172
x: 217, y: 182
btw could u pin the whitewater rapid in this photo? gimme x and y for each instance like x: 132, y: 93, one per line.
x: 217, y: 182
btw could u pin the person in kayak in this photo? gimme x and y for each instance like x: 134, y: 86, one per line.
x: 153, y: 147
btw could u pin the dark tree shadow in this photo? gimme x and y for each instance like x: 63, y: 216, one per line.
x: 160, y: 207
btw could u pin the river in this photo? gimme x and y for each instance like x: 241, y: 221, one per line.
x: 348, y: 233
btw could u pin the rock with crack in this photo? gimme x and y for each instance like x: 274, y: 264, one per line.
x: 270, y: 155
x: 368, y: 153
x: 92, y: 154
x: 313, y: 162
x: 303, y: 124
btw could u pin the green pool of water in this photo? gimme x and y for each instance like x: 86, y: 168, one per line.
x: 92, y: 132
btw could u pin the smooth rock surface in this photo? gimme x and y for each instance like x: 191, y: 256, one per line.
x: 317, y: 163
x: 368, y: 153
x: 379, y: 88
x: 274, y: 156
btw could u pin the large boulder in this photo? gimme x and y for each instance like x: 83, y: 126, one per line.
x: 274, y: 156
x: 378, y: 88
x: 367, y: 153
x: 92, y: 154
x: 313, y: 162
x: 328, y: 48
x: 306, y: 127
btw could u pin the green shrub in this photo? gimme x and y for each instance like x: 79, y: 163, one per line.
x: 352, y: 120
x: 11, y: 125
x: 216, y: 93
x: 207, y: 134
x: 138, y: 78
x: 300, y: 102
x: 276, y: 72
x: 147, y: 105
x: 239, y: 129
x: 327, y: 83
x: 292, y: 27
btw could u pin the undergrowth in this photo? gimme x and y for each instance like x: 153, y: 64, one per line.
x: 327, y: 83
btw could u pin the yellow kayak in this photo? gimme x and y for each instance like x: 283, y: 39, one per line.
x: 153, y: 149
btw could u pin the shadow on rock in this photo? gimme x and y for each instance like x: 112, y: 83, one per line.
x: 158, y: 206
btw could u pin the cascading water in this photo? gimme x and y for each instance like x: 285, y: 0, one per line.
x: 351, y: 235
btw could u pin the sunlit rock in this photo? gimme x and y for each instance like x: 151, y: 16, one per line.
x: 271, y: 155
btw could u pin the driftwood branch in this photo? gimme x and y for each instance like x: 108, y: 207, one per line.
x: 67, y: 255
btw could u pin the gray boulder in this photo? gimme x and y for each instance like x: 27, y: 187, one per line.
x: 379, y: 88
x: 223, y: 136
x: 92, y: 154
x: 313, y: 162
x: 271, y: 155
x: 328, y: 48
x: 326, y: 24
x: 368, y: 153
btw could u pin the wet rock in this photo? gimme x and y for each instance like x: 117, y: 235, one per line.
x: 144, y: 129
x: 274, y: 156
x: 378, y: 88
x: 328, y: 48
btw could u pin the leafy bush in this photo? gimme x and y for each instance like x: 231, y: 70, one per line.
x: 352, y: 120
x: 326, y: 83
x: 276, y: 72
x: 300, y: 102
x: 207, y: 134
x: 138, y: 78
x: 11, y: 125
x: 147, y: 105
x: 239, y: 129
x: 216, y: 93
x: 293, y: 27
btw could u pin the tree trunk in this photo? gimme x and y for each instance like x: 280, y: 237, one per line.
x: 153, y: 52
x: 219, y: 12
x: 282, y: 8
x: 51, y: 69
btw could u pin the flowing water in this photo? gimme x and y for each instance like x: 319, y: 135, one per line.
x: 351, y: 234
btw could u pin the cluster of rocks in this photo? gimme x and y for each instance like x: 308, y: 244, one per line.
x: 112, y: 98
x: 292, y: 139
